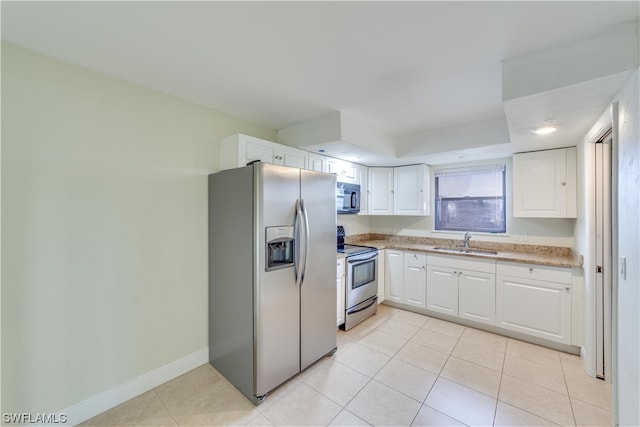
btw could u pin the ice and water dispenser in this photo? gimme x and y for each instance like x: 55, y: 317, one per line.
x: 280, y: 247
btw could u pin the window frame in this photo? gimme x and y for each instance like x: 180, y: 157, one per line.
x: 469, y: 171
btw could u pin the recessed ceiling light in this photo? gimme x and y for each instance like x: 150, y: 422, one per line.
x: 545, y: 130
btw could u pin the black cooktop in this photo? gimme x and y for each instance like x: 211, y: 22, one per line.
x: 355, y: 249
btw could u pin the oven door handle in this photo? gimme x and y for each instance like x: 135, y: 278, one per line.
x: 356, y: 310
x: 357, y: 259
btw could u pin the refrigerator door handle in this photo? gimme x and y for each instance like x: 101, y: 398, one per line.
x: 297, y: 265
x: 306, y: 239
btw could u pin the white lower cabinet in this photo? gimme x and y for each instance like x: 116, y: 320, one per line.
x: 442, y: 289
x: 393, y: 275
x: 415, y: 279
x: 477, y: 296
x: 535, y: 300
x: 341, y: 290
x: 405, y: 277
x: 462, y: 287
x: 529, y: 299
x: 381, y: 275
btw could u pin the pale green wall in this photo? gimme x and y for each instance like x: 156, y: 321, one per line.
x: 104, y: 229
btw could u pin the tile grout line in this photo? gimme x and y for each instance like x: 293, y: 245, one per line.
x: 438, y: 377
x: 517, y: 407
x: 504, y: 360
x: 165, y: 407
x: 564, y: 377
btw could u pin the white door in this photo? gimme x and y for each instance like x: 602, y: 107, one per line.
x: 415, y: 279
x: 604, y: 262
x: 257, y: 151
x: 442, y: 289
x: 477, y: 296
x: 534, y: 307
x: 341, y: 290
x: 393, y: 275
x: 410, y: 190
x: 316, y: 162
x: 380, y: 191
x: 292, y: 157
x: 542, y: 184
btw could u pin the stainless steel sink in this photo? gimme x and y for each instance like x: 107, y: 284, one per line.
x: 466, y: 250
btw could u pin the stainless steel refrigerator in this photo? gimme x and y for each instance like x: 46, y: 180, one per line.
x: 272, y: 269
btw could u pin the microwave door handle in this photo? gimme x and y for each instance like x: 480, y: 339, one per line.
x: 305, y: 227
x: 354, y: 199
x: 297, y: 234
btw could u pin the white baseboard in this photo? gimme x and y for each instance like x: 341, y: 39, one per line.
x: 99, y: 403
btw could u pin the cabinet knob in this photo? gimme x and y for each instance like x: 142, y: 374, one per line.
x: 531, y: 270
x: 567, y: 288
x: 563, y: 183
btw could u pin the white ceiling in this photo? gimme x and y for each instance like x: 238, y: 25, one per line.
x: 409, y: 69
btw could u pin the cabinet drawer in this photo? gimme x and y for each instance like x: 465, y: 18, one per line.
x: 462, y: 263
x: 415, y: 259
x: 536, y: 272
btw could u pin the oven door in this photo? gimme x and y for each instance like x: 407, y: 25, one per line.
x: 362, y: 278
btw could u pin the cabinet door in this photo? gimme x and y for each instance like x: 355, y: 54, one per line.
x: 345, y: 171
x: 544, y: 184
x: 256, y: 151
x: 415, y: 279
x: 316, y: 162
x: 477, y: 296
x: 363, y: 180
x: 411, y: 190
x: 291, y: 157
x: 380, y: 191
x: 442, y: 289
x: 341, y: 289
x: 534, y: 307
x: 394, y: 265
x: 382, y: 255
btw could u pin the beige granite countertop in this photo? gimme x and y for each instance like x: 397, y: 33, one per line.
x: 530, y: 254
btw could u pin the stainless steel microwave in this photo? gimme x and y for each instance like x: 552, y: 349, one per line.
x: 347, y: 198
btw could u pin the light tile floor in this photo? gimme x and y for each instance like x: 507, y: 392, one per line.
x: 397, y: 368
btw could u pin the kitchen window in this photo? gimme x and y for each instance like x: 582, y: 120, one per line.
x: 471, y: 199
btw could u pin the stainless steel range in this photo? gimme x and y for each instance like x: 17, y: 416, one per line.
x: 361, y: 299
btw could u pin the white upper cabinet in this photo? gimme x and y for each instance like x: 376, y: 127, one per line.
x: 316, y: 162
x: 411, y: 190
x: 544, y: 184
x: 345, y: 171
x: 363, y: 180
x: 238, y: 150
x: 288, y: 156
x: 403, y: 190
x: 380, y: 187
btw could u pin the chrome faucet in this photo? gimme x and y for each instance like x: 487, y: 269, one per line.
x: 467, y: 236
